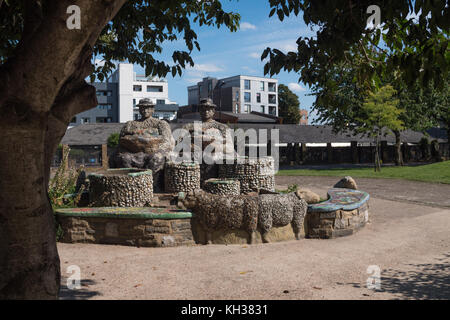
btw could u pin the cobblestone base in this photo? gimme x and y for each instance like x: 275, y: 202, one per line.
x: 131, y: 232
x: 340, y: 223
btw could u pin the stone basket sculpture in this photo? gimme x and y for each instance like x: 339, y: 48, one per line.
x: 225, y: 187
x: 253, y: 173
x: 181, y: 177
x: 121, y: 188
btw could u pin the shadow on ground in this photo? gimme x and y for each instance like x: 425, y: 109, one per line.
x: 428, y: 281
x: 77, y: 294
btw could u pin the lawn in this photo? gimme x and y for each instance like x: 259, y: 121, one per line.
x: 437, y: 172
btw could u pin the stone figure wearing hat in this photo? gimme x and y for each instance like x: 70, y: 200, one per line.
x: 145, y: 143
x: 207, y: 111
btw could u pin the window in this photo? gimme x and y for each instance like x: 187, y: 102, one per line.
x: 261, y: 86
x: 209, y: 87
x: 85, y: 120
x: 134, y: 102
x: 104, y: 93
x: 154, y: 89
x: 247, y: 84
x: 103, y: 119
x: 136, y: 116
x: 160, y: 101
x: 273, y: 110
x: 258, y: 97
x: 236, y: 108
x: 263, y: 109
x: 137, y: 88
x: 247, y: 108
x: 272, y: 87
x: 247, y: 97
x: 104, y: 106
x: 272, y: 98
x: 237, y: 95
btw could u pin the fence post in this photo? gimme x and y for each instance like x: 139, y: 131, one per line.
x: 105, y: 156
x: 304, y: 153
x: 329, y: 152
x: 354, y: 146
x: 384, y: 153
x: 65, y: 148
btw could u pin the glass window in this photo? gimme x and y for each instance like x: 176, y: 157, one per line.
x: 134, y: 102
x: 263, y: 109
x: 248, y: 108
x: 261, y: 84
x: 236, y: 108
x: 247, y: 84
x: 272, y: 98
x: 137, y: 88
x: 247, y: 97
x: 103, y: 119
x: 258, y: 97
x: 273, y: 111
x: 154, y: 89
x: 272, y: 87
x: 85, y: 120
x: 160, y: 101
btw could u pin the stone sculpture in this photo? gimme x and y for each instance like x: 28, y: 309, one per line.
x: 145, y: 144
x: 207, y: 133
x: 249, y: 213
x: 346, y: 183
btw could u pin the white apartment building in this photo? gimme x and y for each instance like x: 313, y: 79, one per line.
x: 133, y: 87
x: 238, y: 94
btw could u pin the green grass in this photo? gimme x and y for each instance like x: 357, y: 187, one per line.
x: 437, y: 172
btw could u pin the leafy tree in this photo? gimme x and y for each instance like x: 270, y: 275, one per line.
x: 416, y: 47
x: 378, y: 113
x: 288, y: 105
x: 43, y: 65
x: 113, y: 140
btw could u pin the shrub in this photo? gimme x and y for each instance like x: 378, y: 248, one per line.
x: 113, y: 140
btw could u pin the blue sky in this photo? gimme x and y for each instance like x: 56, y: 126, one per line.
x: 225, y: 54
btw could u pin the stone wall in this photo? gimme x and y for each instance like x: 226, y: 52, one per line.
x: 223, y: 187
x: 253, y: 173
x: 327, y: 225
x: 182, y: 177
x: 126, y: 231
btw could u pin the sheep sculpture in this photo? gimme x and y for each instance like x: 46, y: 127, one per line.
x: 246, y: 212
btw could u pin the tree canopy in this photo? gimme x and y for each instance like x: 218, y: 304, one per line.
x: 288, y: 105
x: 412, y: 38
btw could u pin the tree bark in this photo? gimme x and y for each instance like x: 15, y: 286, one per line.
x: 42, y: 88
x: 398, y: 149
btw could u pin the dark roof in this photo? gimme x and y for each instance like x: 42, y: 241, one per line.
x: 97, y: 134
x: 251, y: 118
x: 166, y: 107
x: 90, y: 134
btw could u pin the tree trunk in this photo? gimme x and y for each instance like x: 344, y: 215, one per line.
x: 398, y: 149
x: 42, y: 88
x: 377, y: 155
x: 29, y: 261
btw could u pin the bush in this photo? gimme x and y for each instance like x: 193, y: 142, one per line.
x: 113, y: 140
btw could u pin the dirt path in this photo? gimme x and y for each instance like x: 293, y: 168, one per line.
x: 430, y: 194
x: 409, y: 242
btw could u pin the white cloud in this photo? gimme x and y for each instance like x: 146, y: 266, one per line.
x: 255, y: 55
x: 247, y: 26
x: 296, y: 87
x: 207, y: 67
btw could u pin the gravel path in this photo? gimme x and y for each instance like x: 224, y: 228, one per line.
x: 409, y: 242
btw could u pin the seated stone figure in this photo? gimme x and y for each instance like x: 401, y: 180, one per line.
x: 145, y: 144
x: 208, y: 133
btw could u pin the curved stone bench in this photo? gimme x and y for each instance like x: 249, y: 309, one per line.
x: 345, y: 212
x: 137, y: 226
